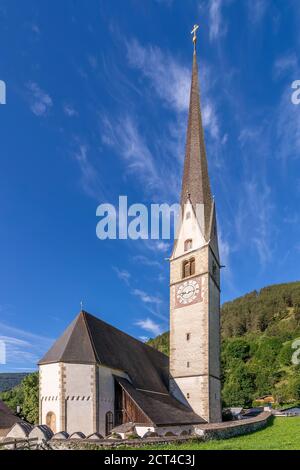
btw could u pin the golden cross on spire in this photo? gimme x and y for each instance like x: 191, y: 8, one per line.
x: 194, y: 32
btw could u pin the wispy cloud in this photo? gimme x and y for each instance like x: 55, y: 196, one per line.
x: 70, y: 111
x: 23, y: 349
x: 40, y: 101
x: 286, y: 63
x: 170, y: 80
x: 122, y: 274
x: 210, y: 120
x: 292, y: 219
x: 148, y: 156
x: 35, y: 29
x: 257, y: 10
x: 163, y: 246
x: 146, y: 261
x: 254, y: 219
x: 248, y: 134
x: 224, y: 247
x: 14, y: 341
x: 158, y: 246
x: 92, y: 60
x: 286, y: 119
x: 90, y: 179
x: 146, y: 298
x: 168, y: 3
x: 149, y: 325
x: 216, y: 24
x: 123, y: 135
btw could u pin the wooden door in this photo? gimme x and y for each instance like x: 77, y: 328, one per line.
x: 51, y: 421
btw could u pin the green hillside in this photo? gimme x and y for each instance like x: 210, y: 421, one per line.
x: 10, y: 380
x: 258, y: 331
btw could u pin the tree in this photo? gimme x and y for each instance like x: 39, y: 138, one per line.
x: 25, y: 395
x: 239, y: 388
x: 236, y: 349
x: 267, y: 375
x: 297, y: 313
x: 285, y: 355
x: 30, y: 407
x: 13, y: 397
x: 268, y: 350
x: 294, y: 387
x: 282, y: 393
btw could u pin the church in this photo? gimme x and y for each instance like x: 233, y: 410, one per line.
x: 95, y: 377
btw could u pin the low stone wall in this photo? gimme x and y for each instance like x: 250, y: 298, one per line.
x: 85, y: 444
x: 201, y: 433
x: 233, y: 428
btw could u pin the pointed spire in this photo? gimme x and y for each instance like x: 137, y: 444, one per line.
x: 195, y: 183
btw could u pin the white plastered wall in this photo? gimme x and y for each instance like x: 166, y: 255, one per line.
x: 49, y: 392
x: 79, y: 398
x: 107, y: 393
x: 189, y: 230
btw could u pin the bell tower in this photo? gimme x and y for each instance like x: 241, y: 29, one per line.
x: 195, y: 279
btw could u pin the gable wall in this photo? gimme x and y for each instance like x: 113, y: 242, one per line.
x: 107, y: 393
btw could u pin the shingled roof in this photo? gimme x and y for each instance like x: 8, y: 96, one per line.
x: 7, y: 419
x: 89, y: 340
x: 195, y: 182
x: 161, y: 409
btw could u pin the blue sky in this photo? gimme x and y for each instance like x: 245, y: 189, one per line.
x: 97, y: 96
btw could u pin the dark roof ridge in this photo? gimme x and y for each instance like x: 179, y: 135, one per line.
x: 90, y: 340
x: 74, y: 324
x: 124, y: 333
x: 83, y: 313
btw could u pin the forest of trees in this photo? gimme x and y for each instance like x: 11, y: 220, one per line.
x: 10, y: 380
x: 258, y: 331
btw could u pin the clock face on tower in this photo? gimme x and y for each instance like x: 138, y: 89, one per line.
x: 188, y: 292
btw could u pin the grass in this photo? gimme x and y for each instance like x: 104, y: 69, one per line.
x: 280, y: 434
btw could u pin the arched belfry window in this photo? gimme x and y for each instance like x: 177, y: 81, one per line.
x: 188, y: 267
x: 188, y: 245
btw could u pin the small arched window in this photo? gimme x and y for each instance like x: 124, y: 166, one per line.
x: 188, y: 267
x: 188, y: 245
